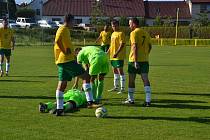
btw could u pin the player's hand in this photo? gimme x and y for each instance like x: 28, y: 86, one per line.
x: 115, y: 55
x: 136, y: 65
x: 75, y: 86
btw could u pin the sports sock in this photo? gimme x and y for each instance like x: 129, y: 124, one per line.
x: 122, y: 81
x: 131, y: 94
x: 59, y: 99
x: 116, y: 80
x: 147, y: 90
x: 100, y: 89
x: 94, y: 89
x: 87, y: 89
x: 7, y: 67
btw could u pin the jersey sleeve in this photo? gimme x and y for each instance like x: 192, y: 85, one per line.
x: 133, y: 38
x: 122, y: 38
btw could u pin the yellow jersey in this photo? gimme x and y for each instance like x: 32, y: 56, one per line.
x: 117, y: 39
x: 105, y: 38
x: 6, y: 37
x: 63, y: 34
x: 142, y: 40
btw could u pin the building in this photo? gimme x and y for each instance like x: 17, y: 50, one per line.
x: 199, y: 6
x: 167, y: 9
x: 83, y: 10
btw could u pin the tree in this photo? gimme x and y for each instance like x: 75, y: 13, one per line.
x: 123, y: 21
x: 141, y: 21
x: 202, y: 19
x: 11, y: 7
x: 167, y: 22
x: 158, y: 21
x: 25, y: 12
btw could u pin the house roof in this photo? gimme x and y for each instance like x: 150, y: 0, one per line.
x: 61, y: 7
x: 128, y: 8
x: 110, y: 8
x: 166, y: 9
x: 200, y: 1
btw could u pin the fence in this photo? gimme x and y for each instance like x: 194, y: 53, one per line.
x: 181, y: 42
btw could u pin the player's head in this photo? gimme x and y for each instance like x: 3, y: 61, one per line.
x: 76, y: 51
x: 115, y: 25
x: 106, y: 27
x: 69, y: 20
x: 133, y: 23
x: 5, y: 22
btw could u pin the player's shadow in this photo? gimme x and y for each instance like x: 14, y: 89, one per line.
x: 50, y: 76
x: 205, y: 120
x: 176, y: 101
x: 26, y: 97
x: 21, y: 81
x: 184, y: 94
x: 180, y: 106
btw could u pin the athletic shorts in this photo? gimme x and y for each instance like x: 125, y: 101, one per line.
x: 99, y: 65
x: 69, y: 70
x: 105, y: 48
x: 6, y: 52
x: 117, y: 63
x: 144, y: 68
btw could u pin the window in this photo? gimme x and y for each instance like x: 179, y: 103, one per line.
x: 38, y: 12
x: 56, y: 19
x: 158, y: 11
x: 203, y: 8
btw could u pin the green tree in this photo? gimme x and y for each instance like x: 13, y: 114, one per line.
x: 158, y: 21
x: 25, y: 12
x: 142, y: 21
x: 202, y: 19
x: 123, y: 21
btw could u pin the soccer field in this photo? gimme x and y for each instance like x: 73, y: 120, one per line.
x: 180, y: 79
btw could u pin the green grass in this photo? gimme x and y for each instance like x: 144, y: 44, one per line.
x: 180, y: 91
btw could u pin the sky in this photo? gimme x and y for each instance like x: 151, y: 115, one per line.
x: 20, y: 1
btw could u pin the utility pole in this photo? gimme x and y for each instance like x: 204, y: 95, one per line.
x: 177, y: 21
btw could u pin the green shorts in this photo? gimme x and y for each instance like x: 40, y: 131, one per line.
x: 117, y: 63
x: 99, y: 65
x: 69, y: 70
x: 6, y: 52
x: 144, y: 68
x: 105, y: 48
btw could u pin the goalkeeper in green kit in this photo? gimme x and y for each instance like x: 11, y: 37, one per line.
x: 96, y: 63
x: 73, y: 99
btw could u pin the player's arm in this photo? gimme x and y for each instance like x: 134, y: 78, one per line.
x: 13, y: 42
x: 76, y: 81
x: 122, y: 45
x: 99, y: 38
x: 150, y: 47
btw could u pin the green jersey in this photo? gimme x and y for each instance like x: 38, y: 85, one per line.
x: 88, y: 54
x: 75, y: 95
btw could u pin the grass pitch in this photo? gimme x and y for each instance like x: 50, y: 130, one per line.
x: 180, y: 100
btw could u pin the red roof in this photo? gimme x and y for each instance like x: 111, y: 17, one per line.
x: 167, y: 9
x: 128, y: 8
x: 61, y: 7
x: 83, y: 7
x: 200, y: 1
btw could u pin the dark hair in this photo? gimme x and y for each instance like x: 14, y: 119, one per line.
x: 68, y: 18
x: 5, y: 19
x: 135, y: 21
x: 115, y: 22
x: 77, y: 49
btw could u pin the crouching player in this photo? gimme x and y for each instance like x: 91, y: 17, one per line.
x: 73, y: 99
x: 96, y: 63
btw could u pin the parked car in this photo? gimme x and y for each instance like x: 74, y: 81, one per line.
x: 58, y: 23
x: 47, y: 24
x: 11, y: 24
x: 87, y: 27
x: 26, y: 22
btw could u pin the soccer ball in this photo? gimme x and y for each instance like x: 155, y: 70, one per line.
x: 101, y: 112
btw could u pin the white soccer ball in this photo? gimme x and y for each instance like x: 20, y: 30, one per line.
x: 101, y: 112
